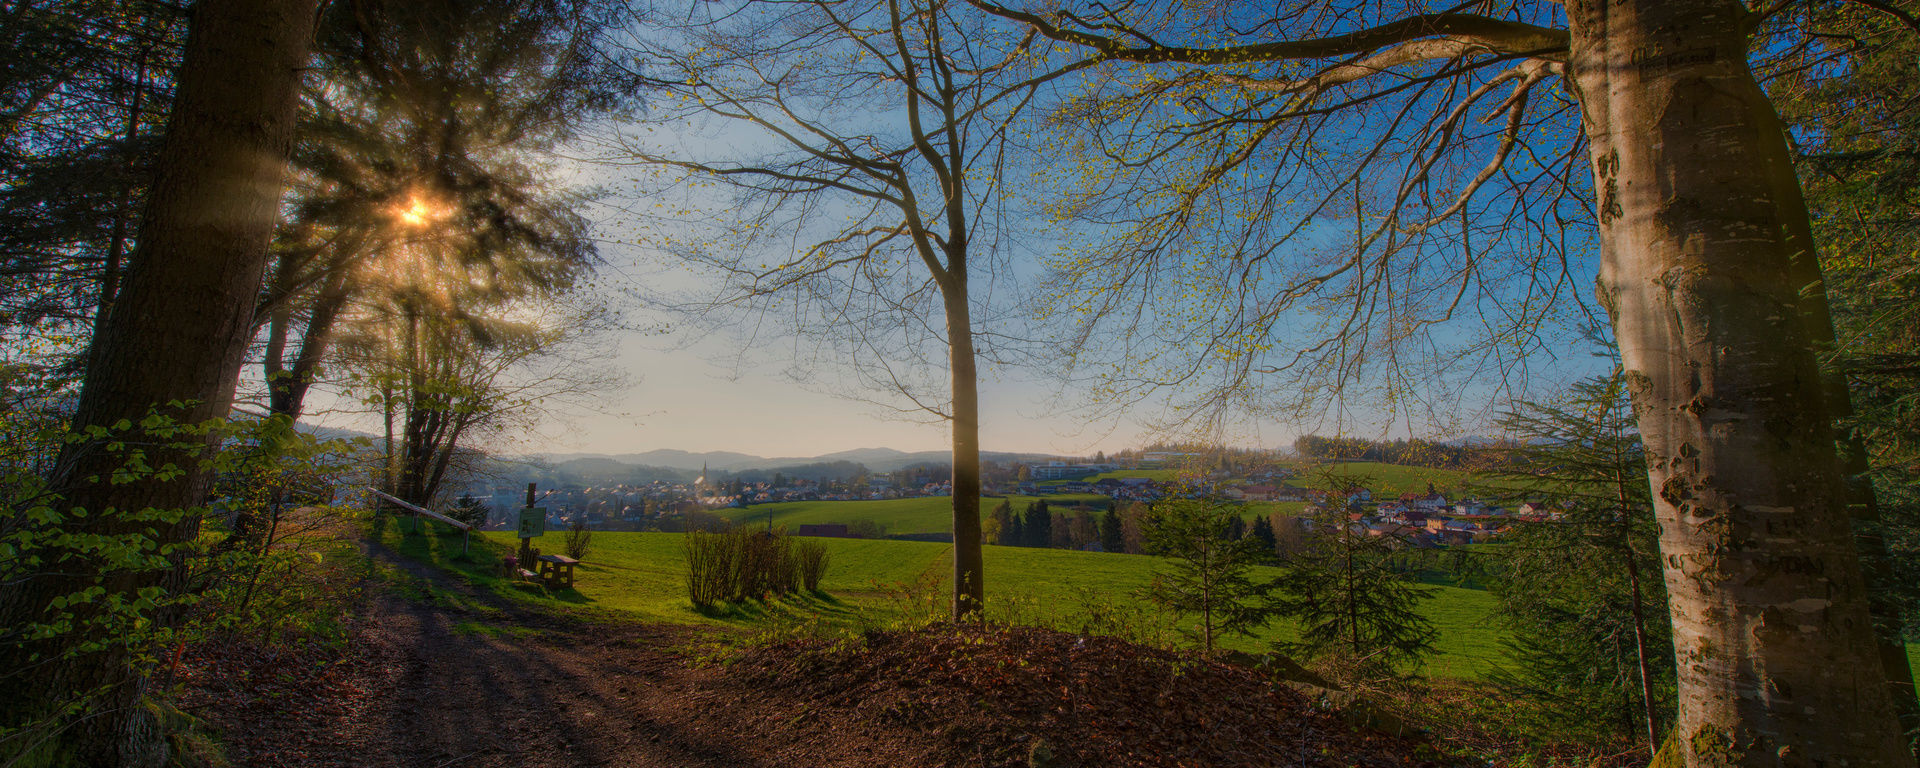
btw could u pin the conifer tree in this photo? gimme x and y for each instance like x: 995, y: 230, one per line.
x: 1007, y: 525
x: 1262, y: 531
x: 1355, y: 611
x: 1204, y: 572
x: 1592, y: 651
x: 1039, y: 527
x: 1111, y: 538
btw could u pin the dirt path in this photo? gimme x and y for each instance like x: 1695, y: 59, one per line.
x: 478, y: 682
x: 458, y: 678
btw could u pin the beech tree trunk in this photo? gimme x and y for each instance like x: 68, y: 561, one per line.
x: 969, y: 592
x: 1774, y: 647
x: 177, y: 332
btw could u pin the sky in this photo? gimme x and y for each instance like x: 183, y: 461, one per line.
x: 699, y: 393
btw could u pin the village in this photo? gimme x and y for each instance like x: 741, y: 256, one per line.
x: 1275, y: 490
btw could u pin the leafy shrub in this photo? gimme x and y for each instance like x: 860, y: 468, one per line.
x: 811, y: 558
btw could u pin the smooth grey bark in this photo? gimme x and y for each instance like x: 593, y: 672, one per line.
x: 1774, y: 646
x: 969, y: 569
x: 178, y: 331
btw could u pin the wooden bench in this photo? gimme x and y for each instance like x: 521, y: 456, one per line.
x: 556, y: 571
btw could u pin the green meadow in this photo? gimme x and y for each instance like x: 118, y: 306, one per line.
x: 1388, y: 481
x: 922, y: 514
x: 1157, y: 475
x: 642, y: 576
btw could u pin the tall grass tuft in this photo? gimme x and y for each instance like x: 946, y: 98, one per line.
x: 738, y: 565
x: 811, y: 558
x: 711, y: 562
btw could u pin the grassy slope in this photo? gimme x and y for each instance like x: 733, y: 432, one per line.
x: 642, y: 574
x: 1158, y: 475
x: 1390, y: 480
x: 925, y: 514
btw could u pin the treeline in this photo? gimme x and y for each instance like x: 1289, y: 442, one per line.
x: 1040, y: 525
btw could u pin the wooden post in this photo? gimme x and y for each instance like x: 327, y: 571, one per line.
x: 526, y: 545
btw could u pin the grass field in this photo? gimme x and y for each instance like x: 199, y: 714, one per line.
x: 1390, y: 480
x: 1157, y: 475
x: 642, y: 575
x: 925, y: 514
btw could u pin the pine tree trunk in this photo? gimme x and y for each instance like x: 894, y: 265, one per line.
x: 1773, y: 644
x: 177, y: 332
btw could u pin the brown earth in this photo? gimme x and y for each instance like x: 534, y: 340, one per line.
x: 477, y: 682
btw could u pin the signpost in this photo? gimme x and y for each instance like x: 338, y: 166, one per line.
x: 533, y: 522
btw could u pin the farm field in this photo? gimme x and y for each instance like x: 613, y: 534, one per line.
x: 1390, y: 480
x: 1156, y: 475
x: 641, y: 575
x: 924, y: 514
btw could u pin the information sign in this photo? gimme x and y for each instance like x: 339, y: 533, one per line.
x: 533, y: 522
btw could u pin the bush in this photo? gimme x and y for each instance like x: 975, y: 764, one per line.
x: 737, y: 565
x: 710, y: 567
x: 811, y: 558
x: 579, y: 540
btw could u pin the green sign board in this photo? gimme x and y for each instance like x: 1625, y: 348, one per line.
x: 533, y: 522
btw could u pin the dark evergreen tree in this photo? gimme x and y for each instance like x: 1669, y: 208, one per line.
x: 1111, y: 537
x: 469, y: 510
x: 1007, y: 524
x: 1204, y: 573
x: 1236, y: 528
x: 1354, y: 610
x: 1039, y: 526
x: 1262, y: 531
x: 1591, y: 652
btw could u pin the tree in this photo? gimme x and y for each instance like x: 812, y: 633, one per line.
x: 85, y: 93
x: 866, y: 234
x: 1854, y: 134
x: 1111, y: 538
x: 1353, y: 608
x: 1038, y: 526
x: 1262, y: 531
x: 439, y: 389
x: 1009, y: 524
x: 1713, y: 293
x: 469, y: 510
x: 176, y: 336
x: 1203, y: 572
x: 1591, y: 652
x: 421, y: 141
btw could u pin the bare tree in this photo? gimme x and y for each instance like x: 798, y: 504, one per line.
x: 1706, y: 272
x: 879, y: 197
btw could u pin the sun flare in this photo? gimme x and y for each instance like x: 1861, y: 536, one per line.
x: 417, y: 211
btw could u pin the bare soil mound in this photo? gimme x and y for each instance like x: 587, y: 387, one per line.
x: 473, y: 682
x: 971, y: 696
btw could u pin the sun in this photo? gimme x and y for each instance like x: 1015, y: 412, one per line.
x: 417, y: 211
